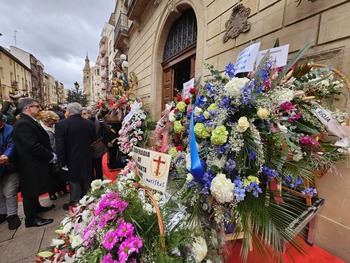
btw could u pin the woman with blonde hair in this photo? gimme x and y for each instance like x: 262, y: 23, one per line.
x: 47, y: 120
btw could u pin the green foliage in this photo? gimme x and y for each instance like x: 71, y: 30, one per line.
x: 77, y: 96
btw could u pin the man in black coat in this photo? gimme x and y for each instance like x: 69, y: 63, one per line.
x: 74, y: 136
x: 35, y: 156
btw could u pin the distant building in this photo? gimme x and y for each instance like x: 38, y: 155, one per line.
x: 15, y: 76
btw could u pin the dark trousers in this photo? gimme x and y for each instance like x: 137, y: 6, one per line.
x: 30, y: 208
x: 97, y: 168
x: 78, y: 190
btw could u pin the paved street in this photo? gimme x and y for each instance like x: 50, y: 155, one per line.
x: 20, y: 246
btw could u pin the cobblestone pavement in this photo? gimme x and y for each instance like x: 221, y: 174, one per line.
x: 21, y: 245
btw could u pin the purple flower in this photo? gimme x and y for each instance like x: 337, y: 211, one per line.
x: 230, y: 70
x: 107, y: 258
x: 110, y: 240
x: 125, y: 229
x: 287, y: 106
x: 230, y: 165
x: 308, y: 141
x: 129, y: 246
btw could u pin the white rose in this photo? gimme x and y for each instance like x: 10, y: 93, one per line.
x: 172, y: 116
x: 243, y: 124
x: 263, y: 113
x: 197, y: 111
x: 234, y: 86
x: 199, y: 249
x: 222, y: 189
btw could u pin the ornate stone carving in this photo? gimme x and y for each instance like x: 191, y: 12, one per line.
x: 238, y: 22
x: 171, y: 6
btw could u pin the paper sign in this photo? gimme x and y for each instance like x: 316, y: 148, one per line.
x: 186, y: 88
x: 246, y: 59
x: 153, y: 168
x: 278, y: 55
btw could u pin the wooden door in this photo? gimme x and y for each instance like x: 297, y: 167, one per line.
x: 168, y: 86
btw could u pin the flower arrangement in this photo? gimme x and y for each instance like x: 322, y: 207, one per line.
x: 238, y: 137
x: 135, y: 128
x: 115, y: 107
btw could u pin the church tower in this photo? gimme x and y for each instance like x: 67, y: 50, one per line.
x: 87, y: 77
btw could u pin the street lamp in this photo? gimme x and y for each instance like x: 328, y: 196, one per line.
x: 76, y: 85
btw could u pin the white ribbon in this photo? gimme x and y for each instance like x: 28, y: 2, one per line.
x: 133, y: 108
x: 333, y: 125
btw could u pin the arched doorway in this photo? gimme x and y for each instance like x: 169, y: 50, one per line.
x: 179, y: 55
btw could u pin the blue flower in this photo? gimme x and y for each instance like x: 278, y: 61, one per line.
x: 230, y: 70
x: 230, y: 165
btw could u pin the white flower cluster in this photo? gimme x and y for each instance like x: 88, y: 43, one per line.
x: 222, y: 189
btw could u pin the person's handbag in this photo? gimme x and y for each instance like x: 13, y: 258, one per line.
x: 98, y: 148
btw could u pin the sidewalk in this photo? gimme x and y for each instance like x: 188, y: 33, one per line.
x: 21, y: 245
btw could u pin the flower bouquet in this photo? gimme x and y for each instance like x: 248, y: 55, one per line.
x: 238, y: 138
x: 135, y: 128
x: 122, y: 222
x: 114, y: 108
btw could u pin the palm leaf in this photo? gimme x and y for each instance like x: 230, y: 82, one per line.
x: 290, y: 64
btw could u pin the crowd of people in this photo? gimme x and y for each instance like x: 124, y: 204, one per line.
x: 46, y: 151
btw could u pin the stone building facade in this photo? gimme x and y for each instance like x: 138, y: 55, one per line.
x: 321, y: 23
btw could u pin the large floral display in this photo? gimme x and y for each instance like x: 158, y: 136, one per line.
x: 242, y: 145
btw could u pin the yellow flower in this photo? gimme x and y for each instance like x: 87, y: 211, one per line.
x: 181, y: 106
x: 250, y: 179
x: 212, y: 107
x: 172, y: 151
x: 263, y: 113
x: 178, y: 127
x: 201, y: 131
x: 243, y: 124
x: 219, y: 135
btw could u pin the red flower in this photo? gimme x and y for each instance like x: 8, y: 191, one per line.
x: 187, y: 101
x: 179, y: 148
x: 178, y: 97
x: 193, y: 90
x: 176, y: 110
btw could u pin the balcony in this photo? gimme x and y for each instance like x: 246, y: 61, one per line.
x: 14, y: 84
x: 135, y: 10
x: 121, y: 32
x: 104, y: 73
x: 103, y: 50
x: 104, y: 61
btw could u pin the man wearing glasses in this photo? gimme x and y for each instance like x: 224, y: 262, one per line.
x: 32, y: 145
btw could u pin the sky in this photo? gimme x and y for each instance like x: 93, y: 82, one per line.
x: 59, y: 33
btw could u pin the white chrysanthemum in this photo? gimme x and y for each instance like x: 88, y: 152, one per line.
x: 96, y: 184
x: 199, y: 249
x: 222, y: 189
x: 57, y: 242
x: 76, y: 241
x: 234, y: 86
x: 107, y: 181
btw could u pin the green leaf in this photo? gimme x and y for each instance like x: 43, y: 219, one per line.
x: 306, y: 128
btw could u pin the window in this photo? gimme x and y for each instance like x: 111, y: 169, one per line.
x: 1, y: 72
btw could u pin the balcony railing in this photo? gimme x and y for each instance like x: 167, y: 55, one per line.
x: 136, y: 8
x: 121, y: 31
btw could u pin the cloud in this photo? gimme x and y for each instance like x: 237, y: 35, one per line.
x: 57, y: 32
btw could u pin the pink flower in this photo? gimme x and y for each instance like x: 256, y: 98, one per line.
x: 308, y: 141
x: 110, y: 240
x: 138, y: 124
x: 125, y: 229
x: 287, y: 106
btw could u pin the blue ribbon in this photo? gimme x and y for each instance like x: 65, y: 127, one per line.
x: 196, y: 167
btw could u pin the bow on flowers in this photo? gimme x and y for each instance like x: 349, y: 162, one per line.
x: 333, y: 125
x: 133, y: 108
x: 196, y: 167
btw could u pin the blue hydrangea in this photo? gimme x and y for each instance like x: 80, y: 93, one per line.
x: 230, y: 70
